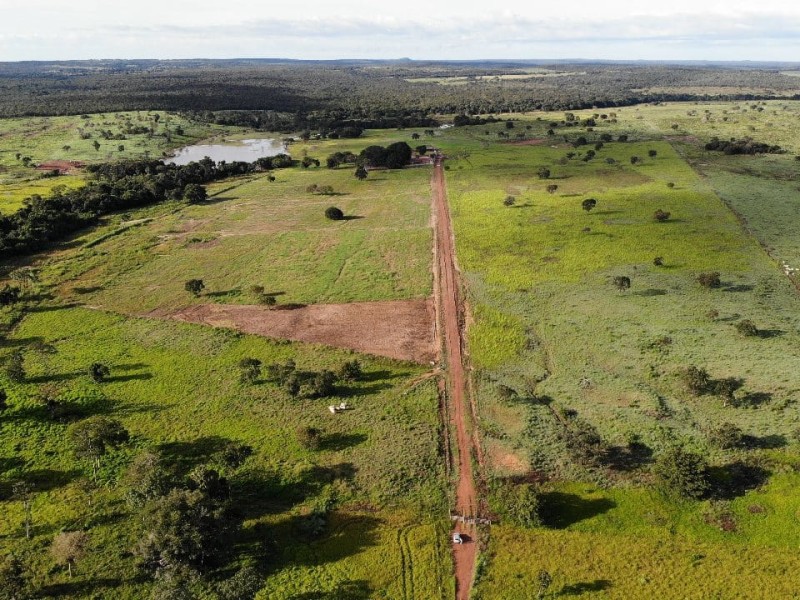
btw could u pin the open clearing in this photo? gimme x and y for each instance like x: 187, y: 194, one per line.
x: 399, y: 329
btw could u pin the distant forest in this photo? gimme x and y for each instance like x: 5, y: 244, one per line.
x: 289, y: 95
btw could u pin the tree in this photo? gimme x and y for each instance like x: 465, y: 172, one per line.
x: 414, y: 136
x: 517, y: 503
x: 622, y: 283
x: 682, y: 473
x: 334, y: 214
x: 652, y: 153
x: 183, y: 528
x: 551, y: 189
x: 15, y: 367
x: 398, y: 155
x: 194, y: 193
x: 249, y: 370
x: 309, y: 437
x: 375, y: 156
x: 23, y: 492
x: 98, y: 372
x: 14, y: 578
x: 634, y: 160
x: 658, y: 261
x: 146, y: 478
x: 323, y: 384
x: 69, y: 547
x: 361, y: 173
x: 9, y: 295
x: 661, y: 216
x: 727, y: 436
x: 588, y: 204
x: 93, y: 437
x: 3, y: 400
x: 194, y: 286
x: 543, y: 173
x: 350, y: 371
x: 509, y: 201
x: 244, y: 585
x: 747, y: 328
x: 96, y: 145
x: 709, y: 280
x: 697, y: 380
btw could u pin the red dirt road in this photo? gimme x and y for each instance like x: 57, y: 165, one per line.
x: 448, y: 305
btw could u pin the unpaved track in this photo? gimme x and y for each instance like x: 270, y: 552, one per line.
x: 448, y: 305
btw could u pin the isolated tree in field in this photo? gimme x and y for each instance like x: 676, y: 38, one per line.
x: 398, y: 155
x: 3, y: 400
x: 726, y: 388
x: 543, y: 173
x: 652, y: 153
x: 334, y: 214
x: 99, y: 372
x: 96, y: 145
x: 323, y: 384
x: 661, y: 215
x: 309, y: 437
x: 588, y: 204
x: 658, y: 261
x: 414, y: 136
x: 249, y: 370
x: 697, y: 380
x: 70, y: 547
x: 727, y: 436
x: 194, y: 286
x: 350, y: 371
x: 15, y: 367
x: 194, y: 193
x: 93, y: 437
x: 709, y: 280
x: 622, y: 283
x: 361, y: 173
x: 670, y: 184
x: 747, y: 328
x: 682, y: 473
x: 551, y: 189
x: 22, y: 491
x: 635, y: 160
x: 509, y: 201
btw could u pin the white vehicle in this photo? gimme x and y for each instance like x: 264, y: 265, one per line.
x: 457, y: 539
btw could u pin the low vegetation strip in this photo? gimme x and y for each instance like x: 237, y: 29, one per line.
x: 401, y: 329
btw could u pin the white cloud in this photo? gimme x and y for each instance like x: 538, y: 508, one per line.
x: 359, y: 29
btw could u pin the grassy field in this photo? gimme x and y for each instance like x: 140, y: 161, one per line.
x: 175, y: 388
x: 548, y: 323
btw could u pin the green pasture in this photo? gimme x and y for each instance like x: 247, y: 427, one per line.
x: 175, y: 387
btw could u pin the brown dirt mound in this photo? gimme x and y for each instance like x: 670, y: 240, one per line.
x: 401, y: 329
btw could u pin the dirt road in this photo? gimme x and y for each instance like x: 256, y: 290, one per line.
x: 448, y: 318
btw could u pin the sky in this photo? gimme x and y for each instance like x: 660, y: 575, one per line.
x: 759, y: 30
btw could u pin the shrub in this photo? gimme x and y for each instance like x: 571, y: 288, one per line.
x: 588, y: 204
x: 509, y: 201
x: 727, y: 436
x: 249, y: 370
x: 622, y: 283
x: 747, y: 328
x: 584, y: 443
x: 334, y: 214
x: 350, y: 371
x: 658, y: 261
x: 98, y: 372
x: 15, y: 367
x: 543, y: 173
x: 194, y: 286
x: 709, y: 280
x: 698, y: 381
x: 682, y: 473
x: 661, y: 215
x: 309, y: 437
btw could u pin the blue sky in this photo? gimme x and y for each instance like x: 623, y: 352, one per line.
x: 442, y: 29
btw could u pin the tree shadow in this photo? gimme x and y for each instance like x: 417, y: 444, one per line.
x: 341, y: 441
x: 736, y: 479
x: 770, y: 333
x: 130, y: 366
x: 72, y: 588
x: 650, y: 292
x: 351, y: 218
x: 752, y: 399
x: 382, y: 375
x: 88, y: 290
x: 348, y: 391
x: 45, y: 480
x: 737, y: 288
x: 767, y: 442
x: 523, y: 205
x: 186, y: 455
x: 578, y: 589
x: 629, y: 458
x: 559, y: 510
x: 54, y: 377
x: 131, y: 377
x: 223, y: 293
x: 28, y: 341
x: 52, y: 307
x: 349, y: 590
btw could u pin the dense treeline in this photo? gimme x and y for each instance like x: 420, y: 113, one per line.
x: 115, y: 186
x: 743, y: 146
x: 320, y: 96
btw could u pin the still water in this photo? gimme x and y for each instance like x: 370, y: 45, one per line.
x: 244, y: 150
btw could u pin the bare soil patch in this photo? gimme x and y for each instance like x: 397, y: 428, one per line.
x: 399, y: 329
x: 64, y: 167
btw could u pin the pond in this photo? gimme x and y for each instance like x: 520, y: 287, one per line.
x: 244, y: 150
